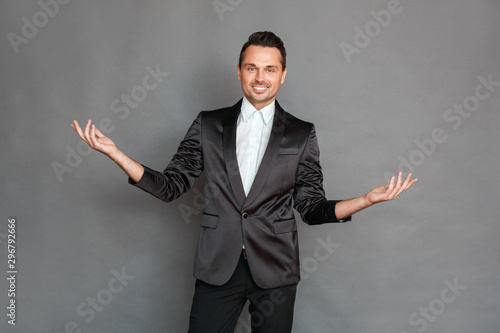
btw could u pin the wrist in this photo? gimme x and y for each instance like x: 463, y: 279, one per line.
x: 366, y: 202
x: 116, y: 155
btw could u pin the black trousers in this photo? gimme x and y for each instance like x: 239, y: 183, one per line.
x: 216, y: 309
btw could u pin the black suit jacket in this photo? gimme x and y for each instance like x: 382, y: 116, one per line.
x: 289, y: 176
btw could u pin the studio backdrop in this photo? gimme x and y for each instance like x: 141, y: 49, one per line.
x: 390, y: 85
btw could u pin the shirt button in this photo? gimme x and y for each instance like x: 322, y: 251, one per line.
x: 244, y: 215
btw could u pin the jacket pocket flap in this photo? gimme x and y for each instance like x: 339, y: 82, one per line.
x: 209, y: 221
x: 284, y: 226
x: 288, y: 151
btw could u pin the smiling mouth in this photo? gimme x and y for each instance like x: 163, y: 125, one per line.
x: 257, y: 88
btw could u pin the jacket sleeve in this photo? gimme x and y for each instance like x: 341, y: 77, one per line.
x: 309, y: 195
x: 181, y: 172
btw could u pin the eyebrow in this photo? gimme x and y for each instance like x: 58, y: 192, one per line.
x: 268, y: 66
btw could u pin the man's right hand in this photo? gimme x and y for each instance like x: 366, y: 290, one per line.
x: 98, y: 141
x: 95, y: 139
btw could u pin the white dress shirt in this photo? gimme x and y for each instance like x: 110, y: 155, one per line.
x: 253, y: 130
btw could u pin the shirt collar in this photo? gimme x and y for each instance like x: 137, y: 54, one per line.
x: 247, y: 110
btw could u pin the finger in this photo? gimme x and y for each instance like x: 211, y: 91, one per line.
x: 406, y: 185
x: 88, y: 137
x: 87, y: 130
x: 396, y: 187
x: 386, y: 195
x: 403, y: 185
x: 413, y: 181
x: 99, y: 134
x: 391, y: 185
x: 406, y: 181
x: 76, y: 126
x: 78, y: 130
x: 93, y: 137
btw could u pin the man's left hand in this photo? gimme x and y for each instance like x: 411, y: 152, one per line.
x: 390, y: 191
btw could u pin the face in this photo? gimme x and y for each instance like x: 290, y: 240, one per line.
x: 261, y: 75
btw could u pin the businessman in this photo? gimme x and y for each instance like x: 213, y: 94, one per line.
x: 260, y: 162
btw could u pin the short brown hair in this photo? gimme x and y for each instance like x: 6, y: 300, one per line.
x: 265, y: 39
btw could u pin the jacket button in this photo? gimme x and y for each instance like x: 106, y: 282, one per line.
x: 244, y: 215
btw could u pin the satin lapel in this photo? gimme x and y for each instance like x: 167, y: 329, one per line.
x: 270, y: 155
x: 230, y: 159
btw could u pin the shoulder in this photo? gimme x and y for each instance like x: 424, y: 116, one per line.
x: 293, y: 123
x: 222, y: 113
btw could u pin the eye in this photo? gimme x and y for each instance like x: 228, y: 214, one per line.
x: 271, y: 70
x: 251, y: 69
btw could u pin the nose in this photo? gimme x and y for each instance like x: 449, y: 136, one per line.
x: 259, y: 76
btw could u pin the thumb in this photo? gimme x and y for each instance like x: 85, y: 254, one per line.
x: 99, y: 134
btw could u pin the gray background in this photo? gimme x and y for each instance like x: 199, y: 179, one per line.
x: 391, y: 261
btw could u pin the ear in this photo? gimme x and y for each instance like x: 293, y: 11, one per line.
x: 239, y: 72
x: 283, y: 76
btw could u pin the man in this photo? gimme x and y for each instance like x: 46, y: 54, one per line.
x: 259, y: 162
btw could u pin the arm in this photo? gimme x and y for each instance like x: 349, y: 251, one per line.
x: 309, y: 195
x: 98, y: 141
x: 382, y: 193
x: 179, y: 175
